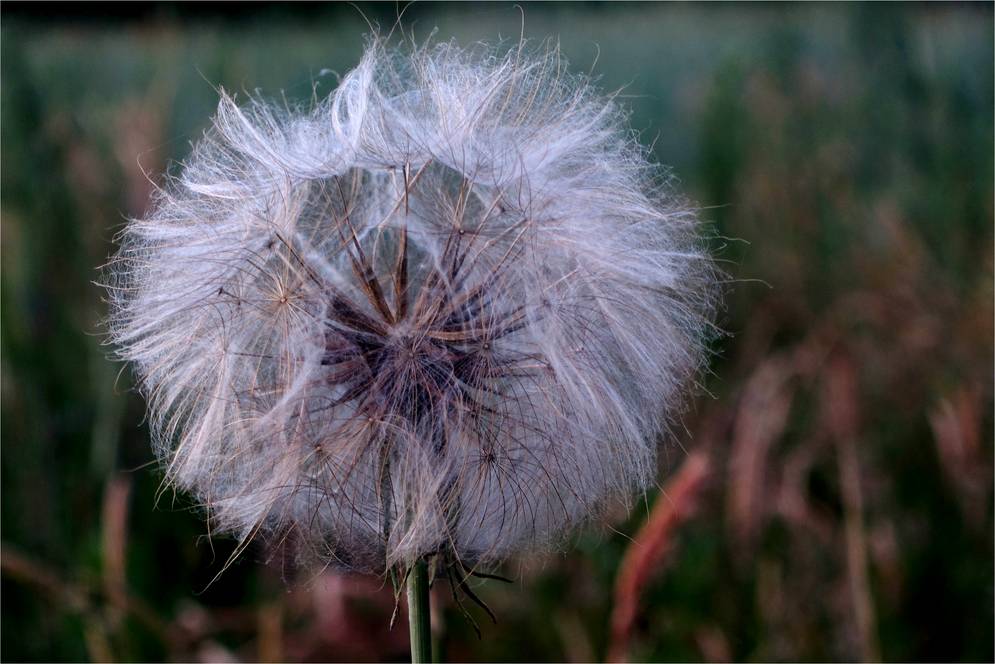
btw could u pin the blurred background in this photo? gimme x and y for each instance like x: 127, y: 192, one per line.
x: 831, y: 497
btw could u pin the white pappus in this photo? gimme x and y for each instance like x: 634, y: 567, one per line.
x: 450, y: 310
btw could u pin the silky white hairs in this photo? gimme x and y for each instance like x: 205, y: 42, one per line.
x: 450, y: 310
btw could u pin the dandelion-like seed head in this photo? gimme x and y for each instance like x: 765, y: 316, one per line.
x: 450, y: 311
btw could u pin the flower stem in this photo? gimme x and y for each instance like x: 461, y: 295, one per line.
x: 419, y: 614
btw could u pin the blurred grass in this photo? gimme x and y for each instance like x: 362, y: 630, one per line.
x: 848, y: 149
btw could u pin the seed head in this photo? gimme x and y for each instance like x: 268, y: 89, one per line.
x: 448, y: 310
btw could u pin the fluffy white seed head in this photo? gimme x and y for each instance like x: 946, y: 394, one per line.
x: 449, y: 310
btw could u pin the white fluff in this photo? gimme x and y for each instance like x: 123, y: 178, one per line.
x: 449, y: 310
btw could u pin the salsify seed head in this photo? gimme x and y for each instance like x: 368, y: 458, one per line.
x: 449, y: 310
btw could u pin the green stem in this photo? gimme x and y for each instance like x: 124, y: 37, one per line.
x: 419, y: 614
